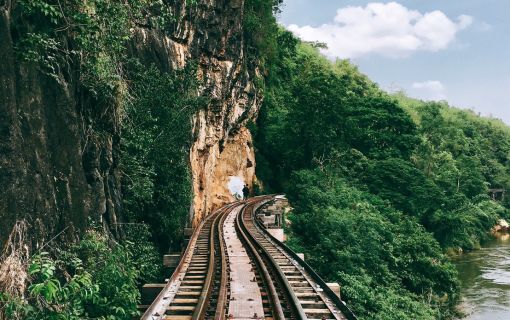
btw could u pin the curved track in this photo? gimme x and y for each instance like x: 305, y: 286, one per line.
x: 232, y: 268
x: 193, y: 291
x: 309, y: 296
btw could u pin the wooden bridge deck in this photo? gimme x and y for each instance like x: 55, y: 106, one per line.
x: 234, y: 269
x: 245, y: 297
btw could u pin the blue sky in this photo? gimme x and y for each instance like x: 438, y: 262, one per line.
x: 456, y: 50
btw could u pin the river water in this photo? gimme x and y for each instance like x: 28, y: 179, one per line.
x: 485, y: 281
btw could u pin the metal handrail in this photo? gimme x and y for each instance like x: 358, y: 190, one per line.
x: 330, y: 293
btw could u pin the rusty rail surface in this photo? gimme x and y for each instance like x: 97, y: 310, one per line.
x: 195, y: 298
x: 223, y: 290
x: 333, y: 303
x: 199, y: 287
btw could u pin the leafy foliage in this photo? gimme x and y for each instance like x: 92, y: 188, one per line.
x: 407, y: 188
x: 464, y: 155
x: 157, y: 139
x: 93, y: 279
x: 145, y: 256
x: 113, y: 271
x: 381, y: 184
x: 49, y: 296
x: 260, y: 30
x: 387, y: 264
x: 91, y: 35
x: 318, y: 109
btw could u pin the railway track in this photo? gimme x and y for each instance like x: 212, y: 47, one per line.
x: 309, y: 295
x: 233, y: 269
x: 193, y: 291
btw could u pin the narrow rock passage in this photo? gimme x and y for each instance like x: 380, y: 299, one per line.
x: 245, y: 297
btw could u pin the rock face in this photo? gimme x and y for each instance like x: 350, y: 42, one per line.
x: 221, y: 147
x: 57, y: 169
x: 236, y: 159
x: 211, y: 34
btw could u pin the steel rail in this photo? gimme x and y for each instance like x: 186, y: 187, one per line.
x: 221, y: 303
x: 274, y: 300
x: 261, y: 246
x: 294, y: 303
x: 203, y: 300
x: 339, y: 303
x: 155, y: 310
x: 158, y: 308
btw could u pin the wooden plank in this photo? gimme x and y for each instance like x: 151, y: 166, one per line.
x: 245, y: 298
x: 317, y: 311
x: 181, y: 301
x: 171, y: 260
x: 177, y: 317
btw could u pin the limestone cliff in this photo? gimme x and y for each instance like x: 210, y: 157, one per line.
x: 211, y: 34
x: 54, y: 169
x: 237, y: 158
x: 59, y: 146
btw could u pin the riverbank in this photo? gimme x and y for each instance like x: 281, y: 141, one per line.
x: 485, y: 280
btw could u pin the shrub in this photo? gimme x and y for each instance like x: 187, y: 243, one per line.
x: 96, y: 278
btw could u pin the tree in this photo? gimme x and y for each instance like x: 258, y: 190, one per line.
x: 405, y: 187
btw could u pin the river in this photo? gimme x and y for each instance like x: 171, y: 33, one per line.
x: 485, y: 281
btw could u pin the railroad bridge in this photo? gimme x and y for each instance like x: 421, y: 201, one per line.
x: 236, y: 268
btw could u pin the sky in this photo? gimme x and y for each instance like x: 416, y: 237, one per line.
x: 235, y: 186
x: 453, y: 50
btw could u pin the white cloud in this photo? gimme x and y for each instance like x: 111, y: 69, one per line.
x: 429, y: 90
x: 483, y: 27
x: 388, y: 29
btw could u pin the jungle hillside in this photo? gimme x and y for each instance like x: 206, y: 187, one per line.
x: 106, y: 150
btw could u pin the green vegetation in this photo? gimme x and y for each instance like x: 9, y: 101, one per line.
x: 93, y: 279
x: 260, y: 30
x: 381, y: 185
x: 155, y: 148
x: 91, y: 36
x: 86, y: 43
x: 463, y: 155
x: 388, y: 266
